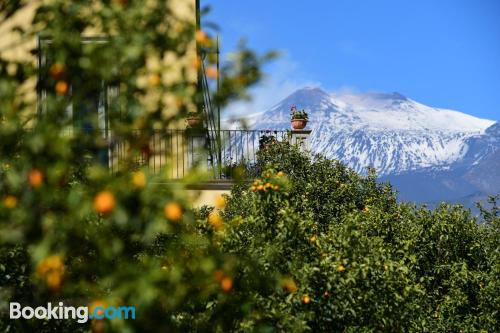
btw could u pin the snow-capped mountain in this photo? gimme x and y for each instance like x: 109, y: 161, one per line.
x: 468, y: 180
x: 387, y: 131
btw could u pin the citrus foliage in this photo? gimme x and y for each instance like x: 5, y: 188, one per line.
x: 70, y: 230
x: 316, y: 248
x: 346, y: 257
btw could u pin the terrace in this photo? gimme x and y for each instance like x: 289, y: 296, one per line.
x: 177, y: 151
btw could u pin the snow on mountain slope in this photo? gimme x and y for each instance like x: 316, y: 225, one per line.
x: 472, y: 178
x: 387, y: 131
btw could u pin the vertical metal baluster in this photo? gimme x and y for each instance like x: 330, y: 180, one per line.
x: 190, y: 152
x: 170, y: 153
x: 177, y: 154
x: 184, y: 135
x: 160, y: 155
x: 253, y: 146
x: 227, y: 138
x: 182, y: 151
x: 151, y: 148
x: 166, y: 152
x: 174, y: 154
x: 248, y: 148
x: 156, y: 150
x: 240, y: 134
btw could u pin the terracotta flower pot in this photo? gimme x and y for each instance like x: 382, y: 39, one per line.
x: 299, y: 124
x: 194, y: 121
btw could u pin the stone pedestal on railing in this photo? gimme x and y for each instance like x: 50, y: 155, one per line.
x: 300, y: 138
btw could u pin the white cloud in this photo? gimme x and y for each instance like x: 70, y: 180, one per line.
x: 344, y: 90
x: 283, y: 78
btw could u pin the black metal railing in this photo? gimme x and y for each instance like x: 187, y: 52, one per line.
x: 178, y: 151
x: 239, y: 149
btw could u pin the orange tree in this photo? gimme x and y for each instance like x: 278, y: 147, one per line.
x: 344, y: 256
x: 69, y: 229
x: 310, y: 246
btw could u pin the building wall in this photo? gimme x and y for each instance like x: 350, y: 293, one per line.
x: 206, y: 197
x: 17, y: 47
x: 12, y: 44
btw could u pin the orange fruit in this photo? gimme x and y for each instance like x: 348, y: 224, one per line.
x: 306, y: 299
x: 97, y: 303
x: 220, y: 202
x: 10, y: 201
x: 197, y: 62
x: 215, y: 220
x: 51, y: 263
x: 173, y: 211
x: 226, y: 284
x: 35, y: 178
x: 340, y: 268
x: 62, y: 88
x: 104, y: 202
x: 54, y: 280
x: 57, y: 70
x: 260, y: 187
x: 202, y: 37
x: 280, y: 174
x: 52, y: 270
x: 154, y: 80
x: 212, y: 72
x: 139, y: 179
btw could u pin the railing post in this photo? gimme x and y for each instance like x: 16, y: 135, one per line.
x: 300, y: 138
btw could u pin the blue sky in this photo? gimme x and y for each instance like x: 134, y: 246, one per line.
x: 443, y: 53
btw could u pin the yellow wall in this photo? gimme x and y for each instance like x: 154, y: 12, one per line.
x: 205, y: 197
x: 12, y: 44
x: 16, y: 47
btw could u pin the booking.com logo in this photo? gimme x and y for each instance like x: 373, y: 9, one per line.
x: 80, y: 313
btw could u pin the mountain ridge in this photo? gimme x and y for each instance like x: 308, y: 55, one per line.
x: 428, y: 154
x: 387, y: 131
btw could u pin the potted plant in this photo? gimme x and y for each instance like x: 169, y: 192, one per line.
x: 194, y: 120
x: 299, y: 118
x: 266, y: 140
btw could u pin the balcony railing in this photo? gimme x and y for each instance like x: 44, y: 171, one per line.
x: 178, y: 151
